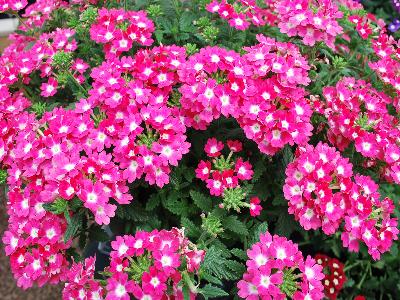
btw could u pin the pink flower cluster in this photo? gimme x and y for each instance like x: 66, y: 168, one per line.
x: 61, y: 155
x: 118, y: 29
x: 358, y: 113
x: 148, y: 265
x: 7, y: 5
x: 273, y: 109
x: 313, y: 21
x: 362, y: 26
x: 37, y: 13
x: 225, y: 173
x: 368, y: 219
x: 250, y: 13
x: 139, y: 119
x: 80, y: 282
x: 209, y: 85
x: 387, y: 50
x: 34, y: 240
x: 321, y: 193
x: 217, y: 81
x: 277, y: 269
x: 37, y: 163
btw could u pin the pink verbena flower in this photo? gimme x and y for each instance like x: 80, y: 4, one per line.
x: 81, y: 282
x: 358, y: 113
x: 275, y: 262
x: 249, y: 13
x: 154, y: 261
x: 226, y: 174
x: 6, y: 5
x: 108, y: 30
x: 323, y: 192
x: 49, y: 88
x: 313, y: 21
x: 314, y: 186
x: 255, y: 207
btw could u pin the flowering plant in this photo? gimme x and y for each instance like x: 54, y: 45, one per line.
x: 238, y: 149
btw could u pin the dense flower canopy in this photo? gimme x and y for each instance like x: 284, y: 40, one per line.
x: 182, y: 137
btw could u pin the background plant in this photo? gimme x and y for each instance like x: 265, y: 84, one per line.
x: 88, y: 84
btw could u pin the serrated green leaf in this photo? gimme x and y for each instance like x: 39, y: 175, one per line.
x: 97, y: 233
x: 259, y: 169
x: 233, y: 224
x: 74, y: 226
x: 189, y: 174
x: 279, y: 200
x: 287, y: 158
x: 236, y: 267
x: 239, y: 253
x: 202, y: 201
x: 75, y: 204
x: 165, y: 24
x: 59, y: 206
x: 82, y: 240
x: 215, y: 263
x: 210, y: 278
x: 211, y: 291
x: 153, y: 202
x: 175, y: 204
x: 133, y: 212
x: 255, y: 233
x: 72, y: 254
x: 285, y: 225
x: 186, y: 22
x: 191, y: 230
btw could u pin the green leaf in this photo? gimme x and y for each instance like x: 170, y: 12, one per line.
x: 72, y: 254
x: 285, y: 225
x: 189, y: 174
x: 57, y: 207
x: 259, y: 169
x: 255, y: 233
x: 335, y: 248
x: 175, y: 204
x: 191, y: 229
x: 186, y: 22
x: 379, y: 264
x: 82, y: 240
x: 211, y: 291
x: 216, y: 263
x: 153, y: 202
x: 279, y: 200
x: 166, y: 24
x: 233, y: 224
x: 97, y: 233
x: 75, y: 204
x: 133, y: 212
x: 74, y: 226
x: 236, y: 267
x: 202, y: 201
x: 210, y: 278
x: 239, y: 253
x: 287, y: 158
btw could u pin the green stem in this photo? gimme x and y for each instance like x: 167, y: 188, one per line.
x: 85, y: 92
x: 20, y: 19
x: 352, y: 266
x: 189, y: 282
x: 359, y: 285
x: 229, y: 156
